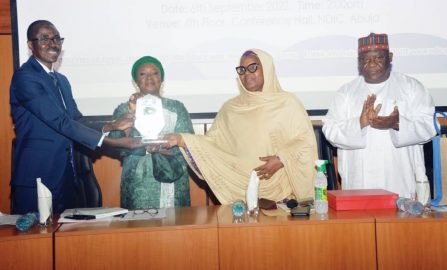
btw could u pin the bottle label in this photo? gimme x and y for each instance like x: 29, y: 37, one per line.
x: 320, y: 194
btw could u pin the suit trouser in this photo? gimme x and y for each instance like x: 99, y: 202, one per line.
x: 65, y: 195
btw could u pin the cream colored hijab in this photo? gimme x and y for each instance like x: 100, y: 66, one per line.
x: 253, y: 125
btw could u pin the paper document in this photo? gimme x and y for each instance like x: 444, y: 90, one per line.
x: 8, y: 219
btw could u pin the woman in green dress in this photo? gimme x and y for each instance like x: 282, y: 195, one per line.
x: 152, y: 177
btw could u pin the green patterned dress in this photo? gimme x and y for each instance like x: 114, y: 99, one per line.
x: 153, y: 179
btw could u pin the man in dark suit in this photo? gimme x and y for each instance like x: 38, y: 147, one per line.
x: 46, y: 123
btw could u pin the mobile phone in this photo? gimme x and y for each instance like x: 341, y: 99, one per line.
x: 300, y: 211
x: 81, y: 217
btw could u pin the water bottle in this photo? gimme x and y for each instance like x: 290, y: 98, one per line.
x: 238, y: 209
x: 25, y: 222
x: 321, y: 204
x: 422, y: 187
x: 410, y: 206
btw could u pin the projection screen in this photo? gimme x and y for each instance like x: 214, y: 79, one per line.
x: 199, y: 43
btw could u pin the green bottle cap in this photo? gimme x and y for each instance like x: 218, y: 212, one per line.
x: 321, y: 165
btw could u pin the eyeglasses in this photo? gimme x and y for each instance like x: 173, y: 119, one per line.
x: 151, y: 211
x: 376, y: 59
x: 251, y: 68
x: 45, y: 40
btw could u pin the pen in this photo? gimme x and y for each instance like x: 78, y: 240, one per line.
x: 81, y: 217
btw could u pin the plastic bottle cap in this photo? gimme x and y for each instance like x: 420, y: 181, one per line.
x: 321, y: 165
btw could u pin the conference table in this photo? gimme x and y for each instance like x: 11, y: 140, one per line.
x: 409, y: 242
x: 209, y: 238
x: 340, y: 240
x: 186, y: 239
x: 32, y: 249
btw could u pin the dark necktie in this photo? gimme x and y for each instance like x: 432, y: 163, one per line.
x: 56, y: 83
x: 61, y: 99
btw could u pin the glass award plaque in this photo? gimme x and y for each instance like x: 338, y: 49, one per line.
x: 149, y: 119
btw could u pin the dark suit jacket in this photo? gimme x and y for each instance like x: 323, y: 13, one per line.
x: 44, y: 130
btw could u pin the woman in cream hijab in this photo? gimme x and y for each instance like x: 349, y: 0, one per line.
x: 265, y: 129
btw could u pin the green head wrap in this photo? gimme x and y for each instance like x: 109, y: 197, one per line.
x: 147, y: 60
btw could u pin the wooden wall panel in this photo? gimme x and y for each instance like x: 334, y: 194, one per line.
x: 5, y: 18
x: 108, y: 173
x: 6, y: 130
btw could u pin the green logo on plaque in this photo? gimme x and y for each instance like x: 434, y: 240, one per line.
x: 149, y: 111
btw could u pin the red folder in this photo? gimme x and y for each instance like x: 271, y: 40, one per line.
x: 360, y: 199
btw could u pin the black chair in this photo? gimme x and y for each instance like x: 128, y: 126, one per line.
x: 428, y: 156
x: 89, y: 191
x: 326, y: 152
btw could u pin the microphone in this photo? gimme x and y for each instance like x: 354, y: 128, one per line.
x: 292, y: 203
x: 27, y: 221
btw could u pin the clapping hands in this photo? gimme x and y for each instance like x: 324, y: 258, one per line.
x: 370, y: 116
